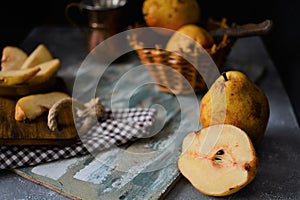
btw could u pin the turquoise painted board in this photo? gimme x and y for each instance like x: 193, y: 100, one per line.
x: 143, y: 169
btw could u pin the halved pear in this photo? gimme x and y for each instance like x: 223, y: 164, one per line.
x: 218, y: 160
x: 18, y: 76
x: 39, y: 55
x: 12, y: 58
x: 48, y: 69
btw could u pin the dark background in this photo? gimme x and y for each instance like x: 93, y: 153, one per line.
x: 283, y: 43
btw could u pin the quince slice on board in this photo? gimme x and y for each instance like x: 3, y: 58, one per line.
x: 32, y: 106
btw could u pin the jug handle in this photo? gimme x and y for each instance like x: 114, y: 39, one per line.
x: 69, y: 18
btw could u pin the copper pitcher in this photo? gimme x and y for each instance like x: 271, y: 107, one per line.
x: 105, y: 18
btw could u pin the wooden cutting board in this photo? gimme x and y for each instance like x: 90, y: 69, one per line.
x: 35, y: 132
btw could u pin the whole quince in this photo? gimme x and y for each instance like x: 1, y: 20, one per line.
x: 235, y: 99
x: 186, y: 36
x: 170, y: 14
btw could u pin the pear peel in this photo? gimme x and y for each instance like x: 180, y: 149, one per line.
x: 224, y: 169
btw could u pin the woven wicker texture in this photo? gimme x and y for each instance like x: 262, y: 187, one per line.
x: 177, y: 75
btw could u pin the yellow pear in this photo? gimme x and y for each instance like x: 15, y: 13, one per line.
x: 235, y: 99
x: 170, y: 14
x: 218, y: 160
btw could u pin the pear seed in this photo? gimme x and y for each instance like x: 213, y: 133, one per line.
x: 220, y: 152
x: 247, y: 167
x: 217, y: 158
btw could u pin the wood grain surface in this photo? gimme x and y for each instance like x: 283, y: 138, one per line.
x: 35, y: 132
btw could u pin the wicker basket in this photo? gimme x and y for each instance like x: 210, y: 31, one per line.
x: 188, y: 79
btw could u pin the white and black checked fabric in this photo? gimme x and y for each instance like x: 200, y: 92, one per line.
x: 120, y: 126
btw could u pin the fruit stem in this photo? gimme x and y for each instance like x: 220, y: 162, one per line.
x: 224, y: 75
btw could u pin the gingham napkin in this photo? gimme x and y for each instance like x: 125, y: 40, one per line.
x: 120, y: 126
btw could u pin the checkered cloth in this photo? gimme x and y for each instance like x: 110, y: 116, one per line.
x: 120, y: 126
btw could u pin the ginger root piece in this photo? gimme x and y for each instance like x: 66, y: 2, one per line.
x: 32, y: 106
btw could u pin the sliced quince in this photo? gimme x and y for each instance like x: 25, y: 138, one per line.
x: 48, y: 69
x: 32, y: 106
x: 18, y: 76
x: 39, y: 55
x: 12, y: 58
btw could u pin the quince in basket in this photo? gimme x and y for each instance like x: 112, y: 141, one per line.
x: 196, y: 33
x: 18, y: 68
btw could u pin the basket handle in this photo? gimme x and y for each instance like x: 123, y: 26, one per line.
x: 245, y: 30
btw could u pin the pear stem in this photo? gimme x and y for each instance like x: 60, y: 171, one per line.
x: 224, y: 75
